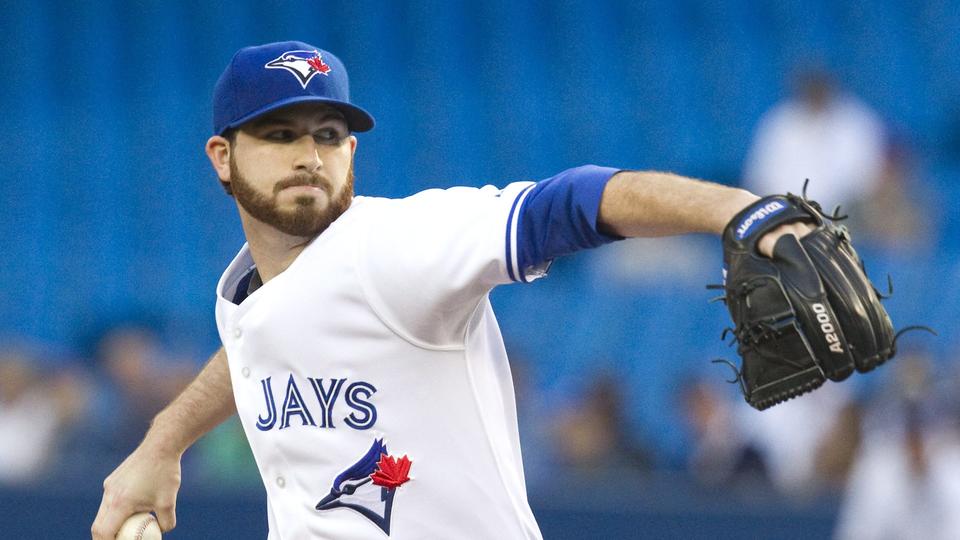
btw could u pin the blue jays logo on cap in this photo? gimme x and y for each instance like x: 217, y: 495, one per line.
x: 303, y: 64
x: 369, y: 485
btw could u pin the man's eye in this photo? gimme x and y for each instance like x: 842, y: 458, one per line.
x: 329, y: 136
x: 279, y: 135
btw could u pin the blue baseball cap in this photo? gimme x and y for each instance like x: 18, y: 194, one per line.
x: 267, y: 77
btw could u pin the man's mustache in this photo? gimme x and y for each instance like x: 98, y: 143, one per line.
x: 303, y: 180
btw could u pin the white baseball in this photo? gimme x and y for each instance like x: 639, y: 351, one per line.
x: 142, y: 526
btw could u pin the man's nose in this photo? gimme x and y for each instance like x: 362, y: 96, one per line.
x: 307, y: 154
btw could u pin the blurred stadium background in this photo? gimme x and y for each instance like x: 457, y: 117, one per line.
x: 114, y: 230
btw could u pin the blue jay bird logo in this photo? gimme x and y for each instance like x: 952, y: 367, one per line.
x: 369, y: 485
x: 302, y: 64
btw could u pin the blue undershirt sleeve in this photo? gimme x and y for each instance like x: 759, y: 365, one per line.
x: 558, y: 216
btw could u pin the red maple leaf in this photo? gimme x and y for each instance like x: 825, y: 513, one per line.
x: 317, y: 63
x: 391, y: 472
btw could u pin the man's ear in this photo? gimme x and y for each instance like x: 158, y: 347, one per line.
x: 218, y: 152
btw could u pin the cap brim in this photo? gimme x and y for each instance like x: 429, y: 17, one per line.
x: 358, y: 119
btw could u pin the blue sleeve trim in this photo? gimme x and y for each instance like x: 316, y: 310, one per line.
x: 558, y: 216
x: 509, y: 240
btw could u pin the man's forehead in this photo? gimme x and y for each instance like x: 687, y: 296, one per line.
x: 299, y: 112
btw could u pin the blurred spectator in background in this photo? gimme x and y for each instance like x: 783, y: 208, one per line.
x: 891, y: 216
x: 840, y: 144
x: 594, y: 434
x: 794, y: 434
x: 837, y: 451
x: 905, y: 483
x: 36, y: 407
x: 822, y: 134
x: 139, y: 378
x: 719, y: 453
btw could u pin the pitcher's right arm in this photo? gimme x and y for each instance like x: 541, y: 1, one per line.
x: 148, y: 480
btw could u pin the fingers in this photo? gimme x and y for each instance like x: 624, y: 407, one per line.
x: 109, y: 518
x: 167, y: 515
x: 767, y: 243
x: 801, y: 228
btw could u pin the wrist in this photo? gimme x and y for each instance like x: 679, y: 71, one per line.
x: 165, y: 438
x: 737, y: 201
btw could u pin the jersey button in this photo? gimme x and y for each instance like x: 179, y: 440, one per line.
x: 237, y: 332
x: 245, y: 371
x: 281, y: 482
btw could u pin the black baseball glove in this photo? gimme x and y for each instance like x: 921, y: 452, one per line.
x: 805, y: 315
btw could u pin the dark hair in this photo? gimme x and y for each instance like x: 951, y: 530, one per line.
x: 230, y: 135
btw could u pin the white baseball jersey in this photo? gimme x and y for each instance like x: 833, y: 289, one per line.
x: 371, y: 377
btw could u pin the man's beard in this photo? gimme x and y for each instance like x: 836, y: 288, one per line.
x: 305, y: 219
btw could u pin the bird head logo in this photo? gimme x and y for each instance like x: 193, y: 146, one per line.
x: 369, y: 485
x: 304, y: 65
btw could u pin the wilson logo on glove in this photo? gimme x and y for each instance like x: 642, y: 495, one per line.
x: 759, y: 215
x: 829, y: 332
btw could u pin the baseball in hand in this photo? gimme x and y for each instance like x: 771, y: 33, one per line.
x: 142, y: 526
